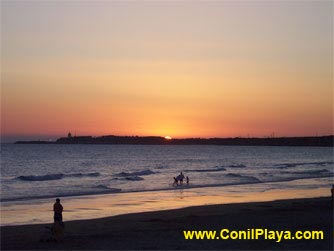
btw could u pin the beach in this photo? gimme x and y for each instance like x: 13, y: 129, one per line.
x: 166, y: 125
x: 164, y: 229
x: 122, y: 197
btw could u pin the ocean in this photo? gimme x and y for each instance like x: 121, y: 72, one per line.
x: 30, y: 172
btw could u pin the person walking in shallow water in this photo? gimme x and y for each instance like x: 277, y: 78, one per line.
x: 58, y: 211
x: 181, y: 177
x: 175, y: 183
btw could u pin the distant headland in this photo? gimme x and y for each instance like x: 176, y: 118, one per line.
x: 156, y: 140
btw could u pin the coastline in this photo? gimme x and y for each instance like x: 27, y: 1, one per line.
x: 38, y: 211
x: 163, y: 229
x: 324, y: 141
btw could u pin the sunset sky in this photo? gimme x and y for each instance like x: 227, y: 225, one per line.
x: 181, y: 68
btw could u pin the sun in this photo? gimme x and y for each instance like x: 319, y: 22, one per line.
x: 168, y: 137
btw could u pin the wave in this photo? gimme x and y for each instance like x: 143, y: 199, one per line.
x: 322, y: 171
x: 287, y: 165
x: 137, y: 173
x: 237, y: 166
x: 243, y: 177
x: 134, y: 178
x: 101, y: 189
x: 95, y: 174
x: 234, y: 175
x: 308, y: 172
x: 130, y: 178
x: 219, y: 169
x: 110, y: 189
x: 216, y: 169
x: 305, y: 177
x: 55, y: 176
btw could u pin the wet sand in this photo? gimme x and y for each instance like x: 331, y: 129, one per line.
x: 164, y: 229
x: 39, y: 211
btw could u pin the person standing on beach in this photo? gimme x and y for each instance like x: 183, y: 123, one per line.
x: 58, y: 211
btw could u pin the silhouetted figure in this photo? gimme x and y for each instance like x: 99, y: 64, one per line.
x: 58, y: 211
x: 181, y: 178
x: 175, y: 183
x: 187, y: 179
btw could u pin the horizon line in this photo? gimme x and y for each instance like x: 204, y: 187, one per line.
x: 192, y: 137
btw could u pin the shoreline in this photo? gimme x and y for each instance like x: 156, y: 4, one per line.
x: 104, y: 205
x: 163, y: 229
x: 184, y: 187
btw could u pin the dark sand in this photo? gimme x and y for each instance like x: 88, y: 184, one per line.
x: 164, y: 229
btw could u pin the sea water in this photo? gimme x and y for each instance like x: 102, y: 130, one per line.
x: 47, y: 171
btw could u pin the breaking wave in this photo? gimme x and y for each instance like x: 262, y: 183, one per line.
x: 310, y: 172
x: 55, y: 176
x: 215, y: 169
x: 110, y: 189
x: 243, y: 177
x: 130, y: 178
x: 287, y: 165
x: 138, y: 173
x: 96, y: 174
x: 206, y: 170
x: 134, y: 178
x: 237, y: 166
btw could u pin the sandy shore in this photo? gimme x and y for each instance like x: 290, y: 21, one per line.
x: 164, y: 229
x: 39, y: 211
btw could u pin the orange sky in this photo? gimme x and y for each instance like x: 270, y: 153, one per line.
x: 180, y: 69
